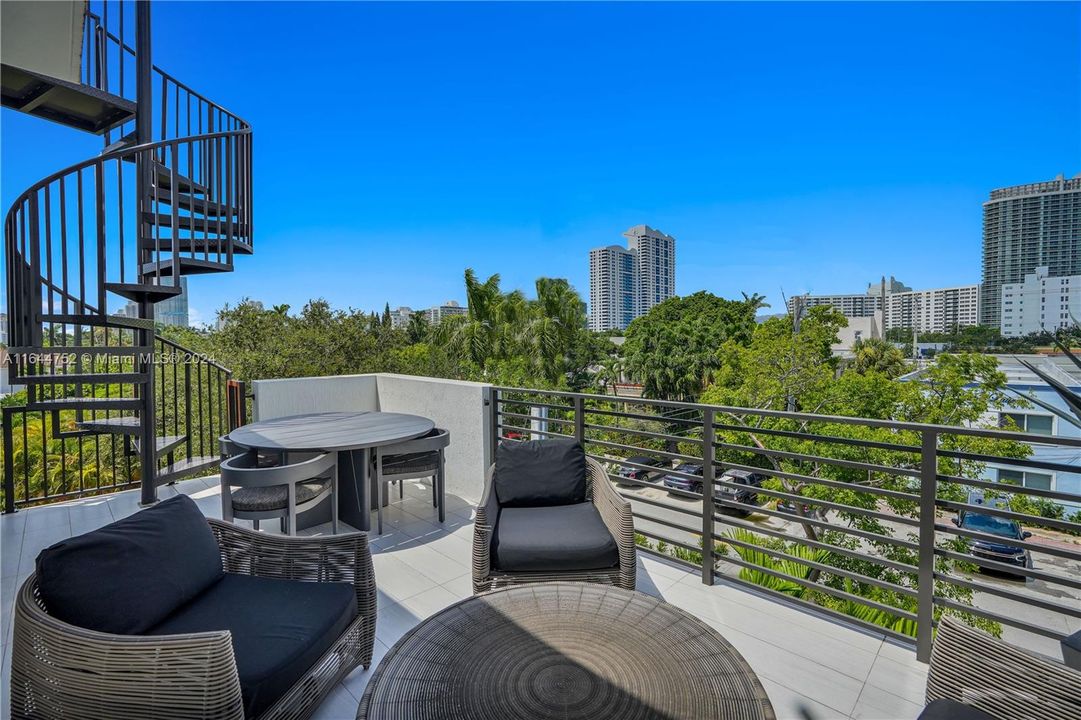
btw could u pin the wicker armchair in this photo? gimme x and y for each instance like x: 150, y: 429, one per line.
x: 62, y: 671
x: 973, y: 671
x: 613, y: 509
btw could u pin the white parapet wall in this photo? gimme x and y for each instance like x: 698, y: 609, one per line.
x: 460, y: 407
x: 296, y: 396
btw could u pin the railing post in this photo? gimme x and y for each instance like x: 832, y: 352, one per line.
x: 926, y: 571
x: 708, y: 474
x: 187, y: 410
x: 580, y: 420
x: 9, y: 462
x: 493, y: 414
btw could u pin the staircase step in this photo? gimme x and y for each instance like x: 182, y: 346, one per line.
x: 98, y: 320
x: 86, y: 403
x: 198, y: 246
x: 197, y: 224
x: 186, y: 467
x: 164, y: 444
x: 69, y: 103
x: 86, y: 378
x: 188, y: 266
x: 138, y: 291
x: 193, y: 204
x: 128, y: 425
x: 163, y: 179
x: 128, y: 140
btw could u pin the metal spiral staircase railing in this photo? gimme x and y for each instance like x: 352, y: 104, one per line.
x: 169, y: 196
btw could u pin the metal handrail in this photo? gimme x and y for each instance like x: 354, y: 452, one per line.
x: 594, y: 420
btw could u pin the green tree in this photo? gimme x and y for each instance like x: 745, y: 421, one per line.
x: 877, y: 355
x: 675, y: 348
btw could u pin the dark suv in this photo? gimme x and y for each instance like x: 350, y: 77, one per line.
x: 745, y: 494
x: 987, y: 548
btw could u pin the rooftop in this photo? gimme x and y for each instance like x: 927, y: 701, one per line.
x: 804, y: 661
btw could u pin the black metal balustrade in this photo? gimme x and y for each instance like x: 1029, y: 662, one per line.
x: 824, y: 530
x: 50, y: 455
x: 169, y: 196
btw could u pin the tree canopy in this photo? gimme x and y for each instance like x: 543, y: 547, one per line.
x: 675, y: 348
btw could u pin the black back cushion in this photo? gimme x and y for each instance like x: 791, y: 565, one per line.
x: 127, y: 577
x: 540, y: 473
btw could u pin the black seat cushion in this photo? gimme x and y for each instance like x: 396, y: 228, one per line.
x: 280, y: 628
x: 411, y: 463
x: 540, y: 473
x: 128, y: 576
x: 556, y: 538
x: 952, y: 710
x: 275, y: 497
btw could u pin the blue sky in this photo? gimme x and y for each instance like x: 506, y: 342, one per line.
x: 802, y: 147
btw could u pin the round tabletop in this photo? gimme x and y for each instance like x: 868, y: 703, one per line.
x: 567, y: 651
x: 331, y: 431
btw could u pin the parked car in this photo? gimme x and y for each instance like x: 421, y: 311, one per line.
x: 987, y: 548
x: 675, y: 482
x: 635, y: 473
x: 746, y: 493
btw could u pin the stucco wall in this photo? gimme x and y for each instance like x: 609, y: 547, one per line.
x: 294, y: 396
x: 452, y: 404
x: 457, y: 406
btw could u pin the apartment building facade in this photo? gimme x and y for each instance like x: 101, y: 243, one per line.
x: 1040, y: 303
x: 624, y: 283
x: 1026, y: 227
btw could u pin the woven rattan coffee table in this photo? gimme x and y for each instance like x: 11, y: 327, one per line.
x: 567, y: 651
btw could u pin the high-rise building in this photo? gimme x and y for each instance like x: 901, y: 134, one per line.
x: 655, y: 271
x: 1040, y: 303
x: 624, y: 283
x: 174, y: 311
x: 1027, y: 227
x: 4, y: 329
x: 854, y: 305
x: 936, y: 310
x: 400, y: 318
x: 436, y: 313
x: 611, y: 288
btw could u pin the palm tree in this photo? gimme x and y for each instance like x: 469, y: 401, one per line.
x: 418, y: 328
x: 558, y: 315
x: 878, y: 355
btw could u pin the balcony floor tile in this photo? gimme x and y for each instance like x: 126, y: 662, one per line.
x: 805, y: 661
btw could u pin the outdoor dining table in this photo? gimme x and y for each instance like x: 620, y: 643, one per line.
x: 350, y: 434
x: 566, y: 651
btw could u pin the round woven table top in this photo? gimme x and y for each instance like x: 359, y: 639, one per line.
x: 566, y: 651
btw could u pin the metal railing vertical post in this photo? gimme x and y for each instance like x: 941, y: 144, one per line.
x: 708, y: 475
x: 926, y: 572
x: 9, y: 462
x: 580, y: 420
x: 493, y: 409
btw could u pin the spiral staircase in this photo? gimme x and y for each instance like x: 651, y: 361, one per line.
x: 170, y: 195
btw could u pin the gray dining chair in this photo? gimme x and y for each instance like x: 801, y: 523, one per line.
x: 251, y: 491
x: 227, y: 449
x: 410, y: 460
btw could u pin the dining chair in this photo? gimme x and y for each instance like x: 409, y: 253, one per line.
x: 251, y: 491
x: 418, y: 458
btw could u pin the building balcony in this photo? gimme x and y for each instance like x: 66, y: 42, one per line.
x: 811, y: 637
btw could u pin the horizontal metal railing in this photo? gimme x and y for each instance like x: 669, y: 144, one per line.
x: 59, y: 454
x: 853, y: 517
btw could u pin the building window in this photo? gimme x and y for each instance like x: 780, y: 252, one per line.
x: 1033, y: 480
x: 1035, y: 424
